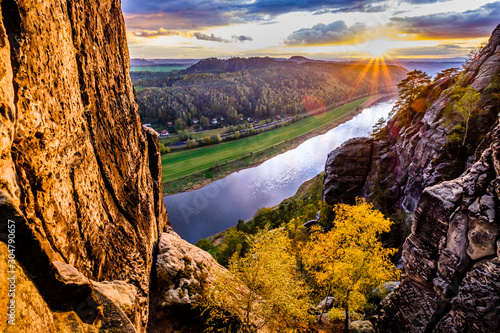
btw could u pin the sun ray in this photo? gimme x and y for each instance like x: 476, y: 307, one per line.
x: 385, y: 70
x: 361, y: 76
x: 375, y: 76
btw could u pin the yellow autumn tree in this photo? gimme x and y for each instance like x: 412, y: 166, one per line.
x: 349, y: 261
x: 263, y: 290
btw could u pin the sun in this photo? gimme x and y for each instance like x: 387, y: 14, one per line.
x: 378, y: 47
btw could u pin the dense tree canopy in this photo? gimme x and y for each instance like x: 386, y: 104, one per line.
x: 263, y: 289
x: 254, y: 88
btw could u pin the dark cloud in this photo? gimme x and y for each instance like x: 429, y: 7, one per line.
x: 212, y: 37
x: 334, y: 33
x: 241, y: 38
x: 154, y: 33
x: 365, y: 7
x: 472, y: 23
x: 277, y: 7
x: 196, y: 14
x: 422, y: 2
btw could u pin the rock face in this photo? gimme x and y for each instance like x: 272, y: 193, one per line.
x: 32, y: 313
x: 410, y: 157
x: 451, y: 259
x: 79, y: 175
x: 344, y: 181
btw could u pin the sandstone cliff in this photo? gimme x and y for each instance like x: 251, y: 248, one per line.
x: 451, y: 280
x: 79, y: 176
x: 411, y: 157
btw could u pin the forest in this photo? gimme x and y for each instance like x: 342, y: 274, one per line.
x: 237, y: 88
x: 287, y: 266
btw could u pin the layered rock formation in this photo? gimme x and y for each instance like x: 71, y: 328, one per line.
x: 411, y: 157
x: 80, y: 177
x: 451, y: 280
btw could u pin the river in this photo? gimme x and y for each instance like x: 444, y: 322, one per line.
x: 219, y: 205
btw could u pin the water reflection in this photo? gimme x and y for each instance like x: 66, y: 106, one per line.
x: 219, y: 205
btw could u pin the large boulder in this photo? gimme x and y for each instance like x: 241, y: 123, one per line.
x: 361, y: 326
x: 346, y: 169
x: 182, y: 270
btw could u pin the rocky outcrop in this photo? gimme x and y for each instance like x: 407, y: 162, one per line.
x: 183, y: 271
x: 410, y: 157
x: 344, y: 181
x: 79, y: 175
x: 451, y: 258
x: 401, y: 164
x: 451, y: 280
x: 451, y: 277
x: 361, y: 326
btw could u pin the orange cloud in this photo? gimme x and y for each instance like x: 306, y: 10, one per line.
x: 154, y: 33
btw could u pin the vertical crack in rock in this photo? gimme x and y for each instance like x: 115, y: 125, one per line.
x: 106, y: 180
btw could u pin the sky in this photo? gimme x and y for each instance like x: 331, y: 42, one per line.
x: 318, y: 29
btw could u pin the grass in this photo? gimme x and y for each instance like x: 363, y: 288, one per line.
x: 198, y: 135
x: 184, y: 163
x: 174, y: 138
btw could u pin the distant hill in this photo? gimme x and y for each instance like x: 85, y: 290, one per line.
x: 431, y: 68
x: 301, y: 59
x: 136, y: 62
x: 214, y: 65
x: 259, y: 87
x: 141, y: 62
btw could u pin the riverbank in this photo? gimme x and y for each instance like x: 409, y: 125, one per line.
x: 309, y: 193
x: 255, y: 157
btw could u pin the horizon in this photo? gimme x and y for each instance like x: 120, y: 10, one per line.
x: 450, y: 60
x: 330, y: 30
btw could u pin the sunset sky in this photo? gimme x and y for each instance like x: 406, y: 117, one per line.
x: 320, y: 29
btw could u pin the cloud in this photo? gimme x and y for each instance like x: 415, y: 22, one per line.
x: 188, y: 20
x: 359, y: 6
x: 469, y: 24
x: 241, y: 38
x: 277, y: 7
x: 212, y: 38
x: 154, y: 33
x: 422, y: 2
x: 334, y: 33
x: 198, y: 14
x: 448, y: 50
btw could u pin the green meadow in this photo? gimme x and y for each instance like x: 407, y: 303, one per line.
x: 180, y: 164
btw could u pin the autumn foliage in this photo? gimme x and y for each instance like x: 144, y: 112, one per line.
x: 266, y: 290
x: 349, y: 261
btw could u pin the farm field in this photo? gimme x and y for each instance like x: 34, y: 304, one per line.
x: 177, y: 165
